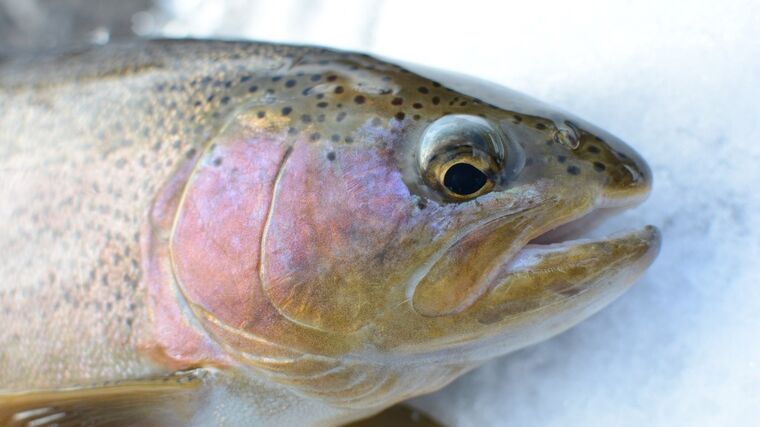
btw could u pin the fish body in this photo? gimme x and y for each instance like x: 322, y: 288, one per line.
x: 285, y: 235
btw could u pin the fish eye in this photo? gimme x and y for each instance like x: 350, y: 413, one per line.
x: 461, y: 156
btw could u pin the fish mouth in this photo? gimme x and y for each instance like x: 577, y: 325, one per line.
x: 569, y: 269
x: 582, y: 230
x: 561, y: 256
x: 560, y: 276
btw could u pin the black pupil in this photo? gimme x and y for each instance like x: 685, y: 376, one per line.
x: 464, y: 179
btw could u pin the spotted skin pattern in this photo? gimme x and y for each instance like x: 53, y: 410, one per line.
x: 115, y: 161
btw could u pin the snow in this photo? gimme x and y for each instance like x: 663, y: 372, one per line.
x: 679, y: 80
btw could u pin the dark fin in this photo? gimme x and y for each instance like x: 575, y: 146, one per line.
x: 161, y: 401
x: 398, y: 416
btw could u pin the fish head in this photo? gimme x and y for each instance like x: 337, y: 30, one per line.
x: 366, y: 212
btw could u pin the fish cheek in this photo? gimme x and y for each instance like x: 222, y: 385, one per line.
x: 332, y: 226
x: 219, y: 225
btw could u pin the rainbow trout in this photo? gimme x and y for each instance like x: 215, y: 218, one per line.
x: 229, y: 233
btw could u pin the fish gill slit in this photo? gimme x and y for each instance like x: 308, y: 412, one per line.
x: 270, y: 209
x: 265, y: 234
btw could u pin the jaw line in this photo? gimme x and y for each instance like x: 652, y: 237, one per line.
x: 488, y: 339
x: 562, y: 237
x: 419, y: 274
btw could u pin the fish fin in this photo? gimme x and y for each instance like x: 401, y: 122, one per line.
x: 166, y: 400
x: 398, y: 416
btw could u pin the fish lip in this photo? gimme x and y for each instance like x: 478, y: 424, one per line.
x: 574, y: 232
x: 579, y: 226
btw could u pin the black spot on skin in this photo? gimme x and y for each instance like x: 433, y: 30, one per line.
x: 210, y: 98
x: 599, y: 167
x: 340, y: 116
x: 290, y: 83
x: 593, y: 149
x: 561, y: 159
x: 306, y: 92
x: 218, y: 161
x: 261, y: 114
x: 331, y: 156
x: 417, y: 105
x: 436, y: 100
x: 421, y: 204
x: 463, y: 103
x: 306, y: 118
x: 435, y: 84
x: 416, y: 117
x: 573, y: 170
x: 400, y: 116
x: 225, y: 99
x: 518, y: 118
x: 322, y: 104
x: 332, y: 78
x: 286, y: 111
x: 349, y: 140
x: 253, y: 88
x: 315, y: 136
x: 335, y: 138
x: 190, y: 153
x: 422, y: 89
x: 316, y: 77
x: 540, y: 126
x: 339, y: 89
x: 198, y: 103
x: 228, y: 84
x: 276, y: 78
x: 245, y: 79
x: 397, y: 101
x: 359, y: 99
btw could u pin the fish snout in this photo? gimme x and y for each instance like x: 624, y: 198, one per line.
x: 627, y: 176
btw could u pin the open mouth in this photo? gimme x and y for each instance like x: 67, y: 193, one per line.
x: 575, y: 253
x: 579, y: 228
x: 566, y: 259
x: 557, y: 279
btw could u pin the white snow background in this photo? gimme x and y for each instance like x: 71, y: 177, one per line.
x: 678, y: 80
